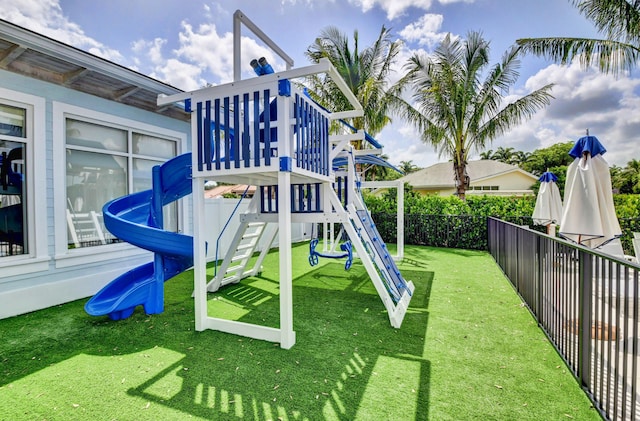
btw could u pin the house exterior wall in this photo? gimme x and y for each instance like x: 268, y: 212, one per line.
x: 513, y: 183
x: 436, y: 191
x: 52, y: 273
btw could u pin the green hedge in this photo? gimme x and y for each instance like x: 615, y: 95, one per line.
x: 446, y: 221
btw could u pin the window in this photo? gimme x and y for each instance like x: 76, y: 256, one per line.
x: 484, y: 188
x: 105, y: 162
x: 23, y: 184
x: 13, y: 181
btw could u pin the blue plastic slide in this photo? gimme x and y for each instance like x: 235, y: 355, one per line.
x: 137, y: 219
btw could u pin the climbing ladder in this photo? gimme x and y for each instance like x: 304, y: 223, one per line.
x: 377, y: 249
x: 391, y: 287
x: 242, y: 248
x: 393, y: 290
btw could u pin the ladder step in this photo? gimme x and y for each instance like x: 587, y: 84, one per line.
x: 232, y: 269
x: 241, y: 257
x: 251, y: 235
x: 245, y: 246
x: 230, y: 279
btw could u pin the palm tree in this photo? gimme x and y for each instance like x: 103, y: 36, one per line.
x: 632, y: 170
x: 486, y: 154
x: 455, y: 111
x: 520, y: 157
x: 627, y: 179
x: 408, y: 167
x: 365, y: 72
x: 503, y: 154
x: 618, y: 20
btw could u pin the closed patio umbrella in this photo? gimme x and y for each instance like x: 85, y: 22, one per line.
x: 589, y: 216
x: 548, y: 208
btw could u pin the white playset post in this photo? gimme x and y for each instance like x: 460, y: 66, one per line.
x: 264, y: 132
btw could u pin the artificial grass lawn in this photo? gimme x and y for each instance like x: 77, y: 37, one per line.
x: 467, y: 350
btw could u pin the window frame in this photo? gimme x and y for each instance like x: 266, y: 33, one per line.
x: 37, y: 257
x: 64, y: 256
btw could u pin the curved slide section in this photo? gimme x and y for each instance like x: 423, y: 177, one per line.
x: 137, y: 219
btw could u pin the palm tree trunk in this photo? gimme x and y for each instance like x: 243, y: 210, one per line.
x: 461, y: 177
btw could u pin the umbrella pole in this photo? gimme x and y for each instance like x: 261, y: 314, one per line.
x: 551, y: 230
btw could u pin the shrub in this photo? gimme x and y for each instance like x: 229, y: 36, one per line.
x: 446, y: 221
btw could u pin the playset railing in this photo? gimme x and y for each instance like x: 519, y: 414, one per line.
x: 264, y: 124
x: 262, y: 128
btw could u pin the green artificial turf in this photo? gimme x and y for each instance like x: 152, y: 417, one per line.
x: 467, y: 350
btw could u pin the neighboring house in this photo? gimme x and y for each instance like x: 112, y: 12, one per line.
x: 487, y: 177
x: 75, y: 131
x: 237, y: 190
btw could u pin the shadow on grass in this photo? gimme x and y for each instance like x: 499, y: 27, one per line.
x: 348, y: 362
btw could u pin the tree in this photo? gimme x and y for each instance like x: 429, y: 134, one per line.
x: 632, y: 171
x: 503, y: 154
x: 520, y: 157
x: 365, y: 72
x: 506, y: 155
x: 627, y: 179
x: 486, y: 154
x: 547, y: 159
x: 408, y: 167
x: 455, y: 111
x: 373, y: 172
x: 555, y: 158
x: 618, y: 20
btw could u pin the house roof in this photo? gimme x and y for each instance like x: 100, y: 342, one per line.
x: 34, y: 55
x: 237, y: 189
x: 441, y: 175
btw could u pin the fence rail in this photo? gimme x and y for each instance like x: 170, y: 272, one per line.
x: 587, y: 303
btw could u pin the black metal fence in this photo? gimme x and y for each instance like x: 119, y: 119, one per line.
x: 587, y: 303
x: 452, y: 231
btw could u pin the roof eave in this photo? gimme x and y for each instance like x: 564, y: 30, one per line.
x: 38, y: 42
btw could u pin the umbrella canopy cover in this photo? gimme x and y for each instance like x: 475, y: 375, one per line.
x: 548, y: 208
x: 589, y: 216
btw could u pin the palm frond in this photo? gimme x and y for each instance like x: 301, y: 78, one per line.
x: 519, y: 110
x: 610, y: 56
x: 616, y: 19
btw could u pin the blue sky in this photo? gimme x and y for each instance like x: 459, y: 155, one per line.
x: 187, y: 43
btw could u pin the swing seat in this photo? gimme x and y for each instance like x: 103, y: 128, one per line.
x: 346, y: 247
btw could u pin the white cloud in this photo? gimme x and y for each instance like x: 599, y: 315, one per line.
x: 424, y: 31
x: 455, y: 1
x: 402, y: 142
x: 45, y: 17
x: 213, y: 52
x: 393, y: 8
x: 203, y: 56
x: 182, y: 75
x: 609, y: 107
x: 397, y: 8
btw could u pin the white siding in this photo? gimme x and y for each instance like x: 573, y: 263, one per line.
x: 51, y: 274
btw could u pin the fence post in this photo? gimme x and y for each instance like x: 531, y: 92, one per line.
x: 489, y: 234
x: 585, y: 280
x: 539, y: 276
